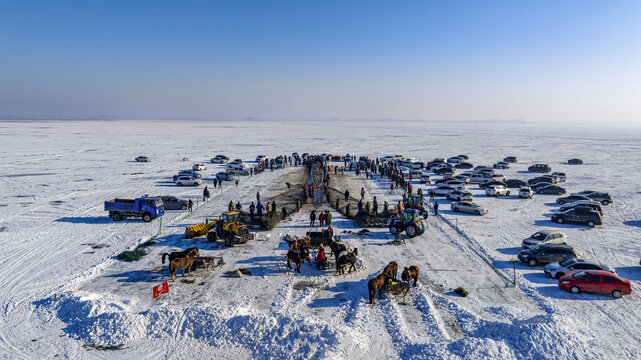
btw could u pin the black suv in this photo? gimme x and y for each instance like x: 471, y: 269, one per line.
x: 578, y: 216
x: 546, y: 253
x: 542, y: 168
x: 510, y: 159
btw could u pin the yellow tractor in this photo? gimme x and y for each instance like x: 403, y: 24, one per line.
x: 229, y: 228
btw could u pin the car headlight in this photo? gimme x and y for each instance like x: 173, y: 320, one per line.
x: 565, y: 282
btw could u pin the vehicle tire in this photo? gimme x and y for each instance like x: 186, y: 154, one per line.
x: 617, y: 294
x: 561, y: 202
x: 183, y: 207
x: 212, y: 236
x: 179, y: 184
x: 532, y: 262
x: 411, y: 231
x: 147, y: 218
x: 458, y: 198
x: 559, y: 220
x: 507, y: 193
x: 477, y: 212
x: 228, y: 240
x: 456, y: 209
x: 393, y: 230
x: 591, y: 223
x: 424, y: 214
x: 575, y: 290
x: 560, y: 193
x: 559, y: 275
x: 116, y: 217
x: 605, y: 202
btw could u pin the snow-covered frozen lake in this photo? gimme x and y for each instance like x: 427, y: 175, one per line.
x: 65, y: 293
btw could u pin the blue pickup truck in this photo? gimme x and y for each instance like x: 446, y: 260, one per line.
x: 147, y: 208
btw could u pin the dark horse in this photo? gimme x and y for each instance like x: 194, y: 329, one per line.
x: 376, y: 284
x: 298, y: 256
x: 410, y: 273
x: 391, y: 269
x: 345, y: 259
x: 176, y: 254
x: 336, y: 248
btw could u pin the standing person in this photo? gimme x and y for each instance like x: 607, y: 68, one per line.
x: 269, y: 208
x: 251, y: 172
x: 273, y: 207
x: 258, y: 196
x: 190, y: 204
x: 360, y: 205
x: 391, y: 188
x: 432, y: 195
x: 435, y: 207
x: 312, y: 218
x: 231, y: 205
x: 252, y: 208
x: 362, y: 193
x: 238, y: 206
x: 346, y: 195
x: 375, y: 206
x: 321, y: 219
x: 399, y: 207
x: 320, y: 258
x: 236, y: 182
x: 259, y: 209
x: 385, y: 207
x: 328, y: 218
x: 206, y: 194
x: 215, y: 183
x: 420, y: 193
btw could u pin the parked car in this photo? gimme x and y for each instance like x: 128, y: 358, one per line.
x: 572, y: 266
x: 459, y: 195
x: 498, y: 177
x: 497, y: 190
x: 510, y: 159
x: 603, y: 198
x: 480, y: 178
x: 543, y: 254
x: 187, y: 180
x: 174, y: 203
x: 219, y: 159
x: 488, y: 183
x: 464, y: 157
x: 199, y: 167
x: 538, y: 180
x: 526, y: 193
x: 589, y: 217
x: 545, y: 237
x: 543, y: 168
x: 540, y: 185
x: 455, y: 160
x: 596, y: 281
x: 550, y: 189
x: 192, y: 173
x: 143, y: 159
x: 260, y: 158
x: 554, y: 178
x: 575, y: 161
x: 468, y: 207
x: 583, y: 204
x: 441, y: 166
x: 463, y: 178
x: 571, y: 198
x: 224, y: 176
x: 425, y: 179
x: 444, y: 171
x: 514, y: 183
x: 443, y: 190
x: 560, y: 176
x: 458, y: 185
x: 463, y: 165
x: 501, y: 165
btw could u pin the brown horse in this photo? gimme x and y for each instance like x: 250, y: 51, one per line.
x: 176, y: 254
x: 410, y: 273
x: 296, y: 243
x: 376, y: 284
x: 391, y: 269
x: 183, y: 262
x: 298, y: 256
x: 337, y: 248
x: 345, y: 259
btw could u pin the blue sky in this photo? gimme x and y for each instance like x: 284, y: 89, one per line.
x: 570, y: 61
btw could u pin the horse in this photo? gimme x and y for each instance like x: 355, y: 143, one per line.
x: 376, y: 284
x: 391, y: 269
x: 176, y: 254
x: 296, y: 243
x: 298, y: 256
x: 183, y: 262
x: 410, y: 273
x: 344, y: 259
x: 337, y: 248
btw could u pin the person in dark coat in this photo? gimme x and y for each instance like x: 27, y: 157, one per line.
x: 190, y: 204
x: 435, y: 207
x: 206, y: 194
x: 238, y: 206
x: 231, y: 205
x: 259, y: 209
x: 252, y: 208
x: 346, y: 195
x: 215, y: 183
x: 312, y: 218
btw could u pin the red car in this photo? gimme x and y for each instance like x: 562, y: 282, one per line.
x: 596, y: 281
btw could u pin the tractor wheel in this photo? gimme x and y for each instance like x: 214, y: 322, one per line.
x: 146, y: 218
x: 393, y: 230
x: 228, y: 240
x: 116, y: 217
x: 212, y: 236
x: 411, y: 231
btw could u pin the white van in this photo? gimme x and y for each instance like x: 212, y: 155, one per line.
x: 237, y: 169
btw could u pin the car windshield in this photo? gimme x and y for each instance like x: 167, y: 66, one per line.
x: 538, y: 236
x: 474, y: 205
x: 580, y: 275
x: 536, y: 249
x: 567, y: 262
x: 158, y: 203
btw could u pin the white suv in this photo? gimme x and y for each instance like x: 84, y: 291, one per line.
x: 497, y: 190
x: 545, y: 237
x: 188, y: 181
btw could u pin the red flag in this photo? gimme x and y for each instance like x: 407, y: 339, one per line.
x: 161, y: 289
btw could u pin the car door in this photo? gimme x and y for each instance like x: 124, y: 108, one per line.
x: 608, y: 284
x: 592, y: 284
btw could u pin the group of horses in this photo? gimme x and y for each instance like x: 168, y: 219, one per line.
x: 377, y: 284
x: 344, y: 257
x: 181, y: 260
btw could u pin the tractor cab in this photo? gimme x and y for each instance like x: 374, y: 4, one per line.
x: 415, y: 202
x: 229, y: 218
x: 411, y: 216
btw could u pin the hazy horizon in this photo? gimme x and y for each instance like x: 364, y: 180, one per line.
x: 537, y: 61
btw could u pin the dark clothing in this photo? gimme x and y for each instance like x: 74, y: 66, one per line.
x: 312, y: 218
x: 190, y: 204
x: 252, y: 208
x: 436, y: 208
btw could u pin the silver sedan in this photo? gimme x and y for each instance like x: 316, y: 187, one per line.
x: 468, y: 207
